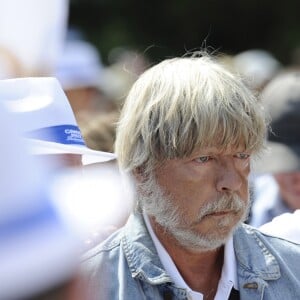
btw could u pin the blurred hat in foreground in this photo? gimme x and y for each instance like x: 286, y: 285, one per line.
x: 32, y: 32
x: 281, y: 98
x: 46, y: 117
x: 37, y: 249
x: 95, y: 202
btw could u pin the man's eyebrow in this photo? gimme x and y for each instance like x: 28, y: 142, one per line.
x: 210, y: 151
x: 205, y: 152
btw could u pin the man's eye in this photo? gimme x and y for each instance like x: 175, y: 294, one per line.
x: 203, y: 159
x: 242, y: 155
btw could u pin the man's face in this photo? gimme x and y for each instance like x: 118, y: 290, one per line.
x: 289, y: 186
x: 60, y: 161
x: 202, y: 198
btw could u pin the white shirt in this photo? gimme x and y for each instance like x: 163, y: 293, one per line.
x: 286, y: 226
x: 267, y: 203
x: 228, y: 277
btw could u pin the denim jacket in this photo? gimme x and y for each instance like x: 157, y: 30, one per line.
x: 126, y: 266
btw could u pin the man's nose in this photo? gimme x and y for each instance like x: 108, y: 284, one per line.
x: 229, y: 179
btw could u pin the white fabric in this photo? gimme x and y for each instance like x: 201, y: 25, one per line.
x: 89, y: 156
x: 36, y: 260
x: 37, y: 102
x: 267, y: 203
x: 285, y: 226
x: 40, y: 102
x: 228, y: 278
x: 33, y: 31
x: 95, y: 200
x: 37, y: 250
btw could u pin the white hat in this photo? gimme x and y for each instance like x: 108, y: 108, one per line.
x: 33, y: 32
x: 79, y: 65
x: 37, y: 250
x: 47, y: 118
x: 257, y: 65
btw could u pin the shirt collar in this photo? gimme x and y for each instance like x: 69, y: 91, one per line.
x: 229, y: 270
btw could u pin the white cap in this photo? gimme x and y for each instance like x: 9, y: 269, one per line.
x: 257, y: 65
x: 46, y: 116
x: 79, y: 65
x: 37, y: 249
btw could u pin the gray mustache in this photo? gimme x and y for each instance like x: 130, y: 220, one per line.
x: 232, y: 203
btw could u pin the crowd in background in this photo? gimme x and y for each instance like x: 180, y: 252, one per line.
x: 95, y: 93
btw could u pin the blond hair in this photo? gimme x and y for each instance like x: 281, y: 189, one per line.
x: 184, y: 104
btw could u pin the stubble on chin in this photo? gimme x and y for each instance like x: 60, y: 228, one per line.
x: 175, y: 221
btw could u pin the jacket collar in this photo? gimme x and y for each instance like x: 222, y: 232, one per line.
x: 251, y: 252
x: 143, y: 260
x: 253, y: 255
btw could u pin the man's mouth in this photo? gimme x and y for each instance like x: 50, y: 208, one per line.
x: 220, y: 213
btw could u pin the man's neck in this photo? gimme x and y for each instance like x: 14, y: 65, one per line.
x: 200, y: 270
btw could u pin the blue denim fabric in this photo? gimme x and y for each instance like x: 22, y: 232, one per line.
x: 126, y: 266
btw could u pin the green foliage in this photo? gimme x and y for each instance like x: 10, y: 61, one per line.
x: 164, y: 28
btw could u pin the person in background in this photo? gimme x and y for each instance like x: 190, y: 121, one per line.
x: 187, y: 133
x: 100, y: 132
x: 125, y: 66
x: 39, y: 254
x: 276, y: 188
x: 79, y: 70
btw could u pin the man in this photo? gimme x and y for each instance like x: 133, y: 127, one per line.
x: 187, y: 133
x: 80, y: 71
x: 277, y: 190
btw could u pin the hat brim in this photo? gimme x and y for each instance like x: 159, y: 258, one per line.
x: 279, y: 158
x: 89, y: 156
